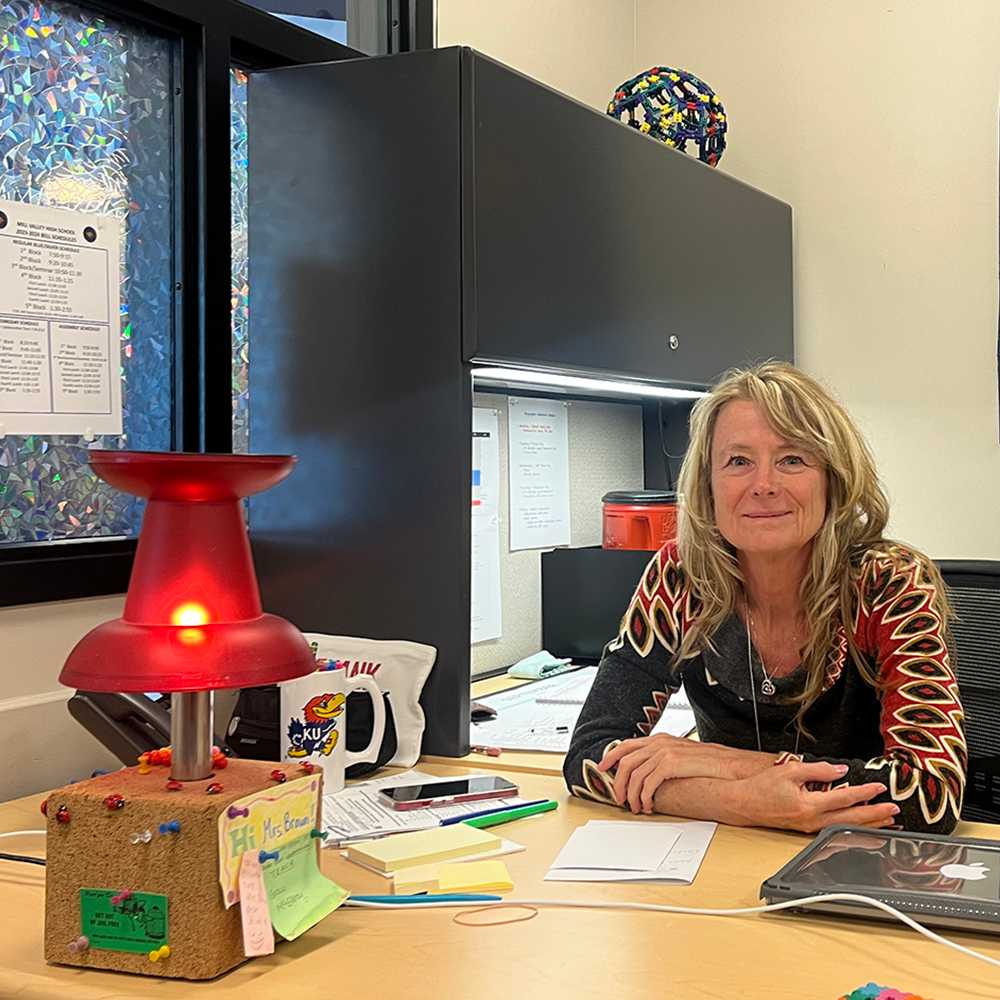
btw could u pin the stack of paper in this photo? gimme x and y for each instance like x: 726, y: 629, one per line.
x: 422, y: 847
x: 644, y: 850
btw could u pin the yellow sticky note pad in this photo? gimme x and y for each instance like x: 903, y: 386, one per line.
x: 410, y: 881
x: 298, y: 896
x: 423, y: 847
x: 473, y: 876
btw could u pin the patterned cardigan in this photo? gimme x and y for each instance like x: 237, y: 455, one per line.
x: 908, y: 733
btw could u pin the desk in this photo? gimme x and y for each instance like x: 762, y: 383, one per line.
x: 423, y: 955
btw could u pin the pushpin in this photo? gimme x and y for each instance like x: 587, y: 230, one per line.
x: 114, y: 802
x: 233, y: 811
x: 174, y: 786
x: 144, y: 767
x: 214, y: 788
x: 44, y: 807
x: 82, y: 943
x: 279, y: 776
x: 157, y: 953
x: 318, y: 833
x: 145, y: 837
x: 308, y: 767
x: 62, y: 814
x: 267, y: 856
x: 121, y: 897
x: 220, y: 760
x: 173, y: 826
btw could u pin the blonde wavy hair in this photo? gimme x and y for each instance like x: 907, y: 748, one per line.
x: 808, y: 417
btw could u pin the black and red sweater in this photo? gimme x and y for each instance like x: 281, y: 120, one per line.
x: 908, y: 734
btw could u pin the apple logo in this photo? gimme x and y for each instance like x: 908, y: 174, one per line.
x: 973, y: 872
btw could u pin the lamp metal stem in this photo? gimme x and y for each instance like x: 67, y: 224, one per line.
x: 191, y: 735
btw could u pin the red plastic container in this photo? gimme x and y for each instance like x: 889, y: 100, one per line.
x: 639, y: 519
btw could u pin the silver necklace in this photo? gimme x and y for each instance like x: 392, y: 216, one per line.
x: 764, y: 686
x: 767, y: 683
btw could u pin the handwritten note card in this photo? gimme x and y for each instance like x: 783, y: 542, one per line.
x: 258, y: 938
x: 263, y: 821
x: 298, y: 895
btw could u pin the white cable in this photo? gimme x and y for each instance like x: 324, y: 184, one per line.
x: 656, y: 908
x: 22, y: 833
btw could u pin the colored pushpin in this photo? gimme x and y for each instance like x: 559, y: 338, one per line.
x: 214, y: 788
x: 233, y: 811
x: 82, y: 943
x: 45, y: 807
x: 145, y: 837
x: 220, y: 761
x: 62, y: 814
x: 157, y: 953
x: 144, y: 767
x: 279, y: 776
x: 174, y: 786
x: 308, y: 767
x: 267, y: 856
x: 173, y: 826
x: 318, y: 833
x: 121, y: 897
x: 114, y: 802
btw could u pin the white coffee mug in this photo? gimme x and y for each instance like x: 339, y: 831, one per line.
x: 314, y: 722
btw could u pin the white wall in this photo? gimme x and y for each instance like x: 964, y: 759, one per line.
x: 41, y: 745
x: 878, y: 124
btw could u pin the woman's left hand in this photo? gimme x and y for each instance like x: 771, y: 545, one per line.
x: 643, y: 765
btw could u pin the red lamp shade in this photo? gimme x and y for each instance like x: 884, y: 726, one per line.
x: 193, y: 619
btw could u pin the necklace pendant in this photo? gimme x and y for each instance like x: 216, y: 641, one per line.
x: 767, y: 687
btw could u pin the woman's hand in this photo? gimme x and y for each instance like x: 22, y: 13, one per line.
x: 643, y: 765
x: 780, y: 798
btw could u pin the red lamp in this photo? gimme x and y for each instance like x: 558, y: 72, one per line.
x: 193, y: 620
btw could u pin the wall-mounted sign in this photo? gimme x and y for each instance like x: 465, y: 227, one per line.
x: 60, y: 357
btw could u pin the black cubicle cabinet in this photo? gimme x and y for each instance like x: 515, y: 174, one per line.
x: 408, y: 214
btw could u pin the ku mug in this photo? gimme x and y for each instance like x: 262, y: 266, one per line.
x: 314, y: 722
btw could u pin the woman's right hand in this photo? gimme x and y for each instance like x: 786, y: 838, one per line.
x: 780, y: 797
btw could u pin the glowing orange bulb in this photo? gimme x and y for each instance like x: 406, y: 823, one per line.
x: 190, y: 614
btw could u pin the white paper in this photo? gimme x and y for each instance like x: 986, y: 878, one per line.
x: 524, y: 722
x: 538, y: 462
x: 618, y: 846
x: 678, y: 716
x: 59, y: 321
x: 678, y: 868
x: 486, y: 611
x: 359, y: 810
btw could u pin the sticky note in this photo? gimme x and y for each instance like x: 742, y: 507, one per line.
x: 474, y: 876
x: 258, y: 938
x: 298, y: 896
x: 138, y: 923
x: 423, y: 847
x: 421, y: 878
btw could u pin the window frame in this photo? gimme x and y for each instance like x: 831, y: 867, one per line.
x: 210, y: 39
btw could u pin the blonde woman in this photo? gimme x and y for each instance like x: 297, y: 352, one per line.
x: 812, y: 649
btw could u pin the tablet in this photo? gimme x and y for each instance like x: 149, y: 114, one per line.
x: 938, y: 880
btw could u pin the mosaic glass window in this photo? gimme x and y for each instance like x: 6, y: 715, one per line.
x: 241, y: 316
x: 86, y: 123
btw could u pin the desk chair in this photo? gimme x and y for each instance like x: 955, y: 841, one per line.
x: 974, y: 589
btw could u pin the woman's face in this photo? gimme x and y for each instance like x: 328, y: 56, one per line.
x: 770, y: 497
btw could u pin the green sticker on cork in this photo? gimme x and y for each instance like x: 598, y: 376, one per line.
x: 135, y: 923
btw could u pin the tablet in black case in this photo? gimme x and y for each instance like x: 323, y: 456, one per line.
x: 938, y: 880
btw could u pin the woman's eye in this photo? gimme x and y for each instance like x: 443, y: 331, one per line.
x: 738, y: 460
x: 793, y: 460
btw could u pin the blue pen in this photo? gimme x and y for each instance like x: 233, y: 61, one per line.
x: 489, y: 812
x: 460, y: 897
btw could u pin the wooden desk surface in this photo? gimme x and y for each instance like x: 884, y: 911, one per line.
x: 424, y: 955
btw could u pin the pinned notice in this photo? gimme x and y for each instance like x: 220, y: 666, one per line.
x: 60, y: 355
x: 298, y: 895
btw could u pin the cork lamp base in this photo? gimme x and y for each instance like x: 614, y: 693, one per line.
x: 132, y: 876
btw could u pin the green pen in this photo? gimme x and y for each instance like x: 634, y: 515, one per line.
x: 518, y: 812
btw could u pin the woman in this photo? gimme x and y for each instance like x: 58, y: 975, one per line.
x: 804, y: 638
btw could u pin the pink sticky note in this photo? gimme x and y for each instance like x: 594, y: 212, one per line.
x: 258, y: 937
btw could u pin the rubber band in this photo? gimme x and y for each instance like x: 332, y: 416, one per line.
x: 493, y: 909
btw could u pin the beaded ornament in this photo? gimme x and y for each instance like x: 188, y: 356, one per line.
x: 676, y: 107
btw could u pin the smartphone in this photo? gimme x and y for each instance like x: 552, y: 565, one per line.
x: 439, y: 793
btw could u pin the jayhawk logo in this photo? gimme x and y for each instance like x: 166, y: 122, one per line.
x: 318, y: 732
